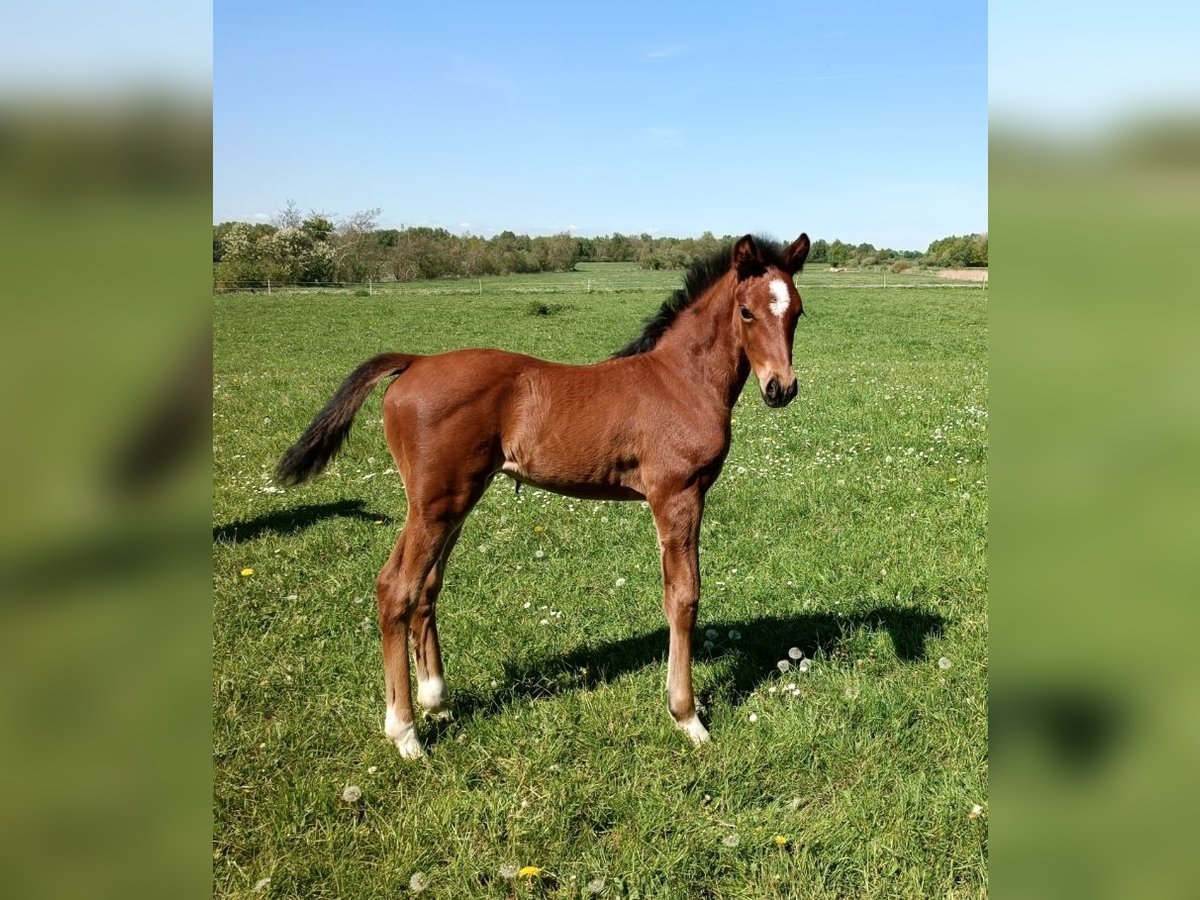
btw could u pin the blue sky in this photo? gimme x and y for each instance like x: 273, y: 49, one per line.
x: 863, y: 121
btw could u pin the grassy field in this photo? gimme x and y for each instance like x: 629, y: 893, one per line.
x: 851, y: 525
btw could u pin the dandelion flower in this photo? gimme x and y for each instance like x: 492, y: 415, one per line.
x: 781, y: 841
x: 753, y: 717
x: 418, y: 882
x: 620, y: 582
x: 791, y: 686
x: 711, y: 634
x: 482, y: 548
x: 976, y: 812
x: 953, y: 478
x: 261, y: 885
x: 538, y: 554
x: 783, y: 665
x: 741, y: 470
x: 508, y: 870
x: 538, y: 529
x: 944, y: 663
x: 852, y: 693
x: 544, y: 622
x: 709, y: 645
x: 803, y: 666
x: 247, y: 572
x: 795, y: 653
x: 734, y: 634
x: 371, y: 770
x: 527, y: 605
x: 595, y: 886
x: 731, y: 840
x: 352, y: 794
x: 530, y: 872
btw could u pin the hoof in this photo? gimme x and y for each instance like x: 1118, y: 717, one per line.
x: 403, y: 735
x: 409, y: 746
x: 695, y: 731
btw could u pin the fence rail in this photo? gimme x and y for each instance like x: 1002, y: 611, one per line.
x: 551, y: 284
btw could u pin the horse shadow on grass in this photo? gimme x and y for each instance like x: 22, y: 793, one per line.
x: 747, y: 660
x: 290, y: 521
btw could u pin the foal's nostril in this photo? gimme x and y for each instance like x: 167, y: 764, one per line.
x: 790, y: 394
x: 773, y: 390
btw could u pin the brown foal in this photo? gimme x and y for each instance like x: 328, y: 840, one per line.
x: 652, y: 422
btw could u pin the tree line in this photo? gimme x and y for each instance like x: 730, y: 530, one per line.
x: 317, y: 248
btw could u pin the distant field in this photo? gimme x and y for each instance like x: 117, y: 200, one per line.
x: 620, y: 278
x: 850, y: 525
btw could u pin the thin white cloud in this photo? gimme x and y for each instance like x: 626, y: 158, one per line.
x: 665, y: 135
x: 663, y: 52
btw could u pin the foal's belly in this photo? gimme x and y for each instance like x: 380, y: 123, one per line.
x: 592, y: 486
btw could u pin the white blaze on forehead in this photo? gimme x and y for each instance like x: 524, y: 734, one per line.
x: 782, y: 298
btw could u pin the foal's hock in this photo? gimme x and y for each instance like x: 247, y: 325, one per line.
x: 651, y: 422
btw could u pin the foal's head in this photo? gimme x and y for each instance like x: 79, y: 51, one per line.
x: 766, y: 306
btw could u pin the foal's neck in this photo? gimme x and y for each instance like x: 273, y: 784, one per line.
x: 701, y: 345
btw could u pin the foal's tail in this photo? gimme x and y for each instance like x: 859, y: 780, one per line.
x: 329, y: 429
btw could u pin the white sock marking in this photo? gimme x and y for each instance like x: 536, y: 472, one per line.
x: 431, y: 694
x: 782, y: 298
x: 403, y: 735
x: 694, y: 730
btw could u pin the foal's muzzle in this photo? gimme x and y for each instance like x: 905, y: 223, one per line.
x: 776, y: 395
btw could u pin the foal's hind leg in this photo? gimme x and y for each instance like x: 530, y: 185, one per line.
x: 434, y: 517
x: 397, y: 590
x: 677, y: 518
x: 431, y: 682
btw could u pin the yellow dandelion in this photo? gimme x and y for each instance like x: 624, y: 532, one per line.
x: 953, y: 478
x: 529, y: 872
x: 247, y: 572
x: 538, y: 529
x: 781, y: 841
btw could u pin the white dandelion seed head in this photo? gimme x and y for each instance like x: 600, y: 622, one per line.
x: 791, y: 686
x: 708, y: 645
x: 783, y: 665
x: 261, y: 885
x: 795, y: 653
x: 741, y: 470
x: 418, y: 882
x: 351, y: 794
x: 538, y: 554
x: 371, y: 770
x: 852, y: 693
x: 804, y: 665
x: 711, y: 634
x: 527, y: 605
x: 482, y: 548
x: 731, y: 840
x: 944, y: 663
x: 620, y: 582
x: 753, y: 717
x: 595, y: 886
x: 509, y: 870
x: 734, y: 634
x: 544, y: 622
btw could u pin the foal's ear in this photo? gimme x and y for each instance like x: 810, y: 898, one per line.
x: 796, y: 253
x: 746, y: 258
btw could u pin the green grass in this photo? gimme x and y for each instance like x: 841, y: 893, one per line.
x: 851, y: 525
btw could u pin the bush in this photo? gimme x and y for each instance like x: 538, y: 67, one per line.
x: 902, y: 265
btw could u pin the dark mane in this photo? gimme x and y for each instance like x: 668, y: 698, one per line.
x: 703, y: 274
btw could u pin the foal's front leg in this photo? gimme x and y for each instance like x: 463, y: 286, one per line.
x: 677, y: 517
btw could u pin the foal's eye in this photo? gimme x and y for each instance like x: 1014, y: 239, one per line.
x: 746, y: 315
